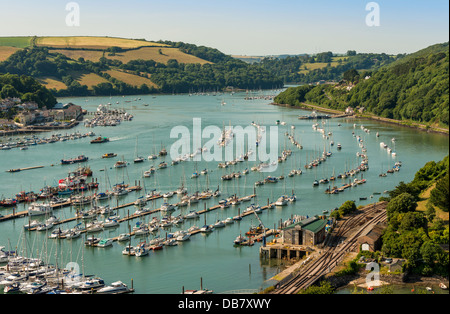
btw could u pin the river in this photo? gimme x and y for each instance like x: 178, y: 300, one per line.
x: 212, y: 258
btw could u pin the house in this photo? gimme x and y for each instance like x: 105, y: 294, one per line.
x: 396, y: 265
x: 57, y: 115
x: 310, y: 231
x: 8, y: 103
x: 371, y: 239
x: 72, y: 112
x: 7, y: 124
x: 28, y: 106
x: 349, y: 111
x: 26, y: 118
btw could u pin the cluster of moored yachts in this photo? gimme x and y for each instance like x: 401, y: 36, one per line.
x: 22, y: 274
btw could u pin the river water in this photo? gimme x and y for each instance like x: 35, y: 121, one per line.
x: 212, y: 258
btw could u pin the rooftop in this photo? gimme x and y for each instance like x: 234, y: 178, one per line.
x: 313, y: 224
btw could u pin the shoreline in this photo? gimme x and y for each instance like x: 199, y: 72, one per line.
x: 359, y: 281
x: 413, y: 125
x: 39, y: 129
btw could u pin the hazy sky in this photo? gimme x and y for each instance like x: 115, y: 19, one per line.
x: 247, y: 27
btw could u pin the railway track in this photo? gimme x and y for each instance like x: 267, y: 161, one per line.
x: 338, y: 244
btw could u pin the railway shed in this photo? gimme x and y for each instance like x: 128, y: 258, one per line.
x: 310, y: 231
x: 371, y: 240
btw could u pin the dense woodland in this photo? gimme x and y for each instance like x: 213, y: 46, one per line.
x: 419, y: 236
x: 172, y: 77
x: 413, y: 88
x: 27, y: 89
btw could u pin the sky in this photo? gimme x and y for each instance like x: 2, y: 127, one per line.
x: 243, y: 27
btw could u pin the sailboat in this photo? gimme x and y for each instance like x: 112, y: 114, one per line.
x: 138, y: 159
x: 120, y: 164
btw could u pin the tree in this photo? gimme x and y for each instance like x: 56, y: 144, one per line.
x: 403, y: 203
x: 8, y: 91
x: 430, y: 252
x: 412, y: 221
x: 440, y: 194
x: 430, y: 212
x: 350, y: 75
x: 347, y: 208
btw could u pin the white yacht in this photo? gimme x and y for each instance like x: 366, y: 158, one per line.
x: 39, y: 209
x: 281, y: 201
x: 183, y: 236
x: 105, y: 243
x: 115, y: 288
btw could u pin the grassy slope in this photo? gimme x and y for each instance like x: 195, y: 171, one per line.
x: 6, y: 51
x: 421, y: 205
x: 131, y: 79
x: 18, y: 42
x: 308, y: 67
x: 144, y: 53
x: 144, y: 50
x: 93, y: 42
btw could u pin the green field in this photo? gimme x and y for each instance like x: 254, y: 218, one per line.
x: 18, y: 42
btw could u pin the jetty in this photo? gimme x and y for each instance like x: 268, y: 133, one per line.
x: 24, y: 169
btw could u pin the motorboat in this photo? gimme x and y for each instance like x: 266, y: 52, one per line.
x: 120, y: 164
x: 166, y: 207
x: 102, y: 196
x: 109, y: 155
x: 39, y: 209
x: 100, y: 140
x: 219, y: 224
x: 228, y: 221
x: 115, y: 288
x: 168, y: 195
x: 123, y: 237
x: 206, y: 229
x: 105, y: 243
x: 89, y: 284
x: 239, y: 240
x: 73, y: 234
x: 45, y: 226
x: 110, y: 223
x: 192, y: 215
x: 183, y: 236
x: 71, y: 161
x: 282, y: 201
x: 128, y: 250
x: 31, y: 225
x: 141, y: 250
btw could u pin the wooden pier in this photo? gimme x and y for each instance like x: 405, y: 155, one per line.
x: 24, y: 169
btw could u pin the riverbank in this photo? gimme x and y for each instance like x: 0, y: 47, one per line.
x: 38, y: 129
x: 410, y: 124
x: 403, y: 282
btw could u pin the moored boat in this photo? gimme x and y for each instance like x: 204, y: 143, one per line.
x: 78, y: 159
x: 100, y: 140
x: 109, y: 155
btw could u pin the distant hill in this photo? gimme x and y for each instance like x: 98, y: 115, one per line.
x: 83, y: 65
x: 413, y: 88
x: 324, y: 66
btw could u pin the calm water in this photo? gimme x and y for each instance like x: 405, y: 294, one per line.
x: 222, y: 266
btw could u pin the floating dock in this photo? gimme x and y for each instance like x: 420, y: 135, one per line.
x: 24, y: 169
